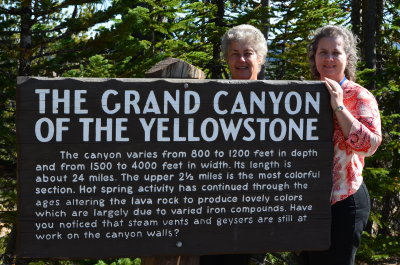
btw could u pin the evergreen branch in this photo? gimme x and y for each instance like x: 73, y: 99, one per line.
x: 65, y: 4
x: 11, y: 11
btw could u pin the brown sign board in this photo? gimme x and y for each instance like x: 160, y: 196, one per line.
x: 145, y: 167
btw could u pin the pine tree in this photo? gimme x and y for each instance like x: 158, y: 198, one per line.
x: 383, y: 169
x: 293, y: 23
x: 37, y: 38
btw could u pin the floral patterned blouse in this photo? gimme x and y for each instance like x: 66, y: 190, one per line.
x: 364, y: 138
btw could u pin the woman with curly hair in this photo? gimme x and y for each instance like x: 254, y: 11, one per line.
x: 357, y: 134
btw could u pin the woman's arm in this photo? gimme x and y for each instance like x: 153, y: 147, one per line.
x: 363, y: 134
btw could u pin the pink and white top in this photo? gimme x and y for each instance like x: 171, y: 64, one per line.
x: 364, y: 138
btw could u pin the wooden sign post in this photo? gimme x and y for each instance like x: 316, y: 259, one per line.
x: 149, y: 167
x: 175, y: 68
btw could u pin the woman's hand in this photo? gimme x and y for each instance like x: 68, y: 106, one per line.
x: 336, y: 92
x: 343, y: 115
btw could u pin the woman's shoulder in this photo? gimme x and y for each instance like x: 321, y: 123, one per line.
x: 358, y: 89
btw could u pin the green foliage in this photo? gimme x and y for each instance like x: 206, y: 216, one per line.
x: 8, y: 72
x: 121, y: 261
x: 98, y: 67
x: 378, y: 248
x: 125, y: 261
x: 382, y: 171
x: 282, y: 258
x: 41, y: 262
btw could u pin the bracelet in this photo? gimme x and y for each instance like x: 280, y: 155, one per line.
x: 341, y: 108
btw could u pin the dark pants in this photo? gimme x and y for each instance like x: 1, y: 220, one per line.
x: 232, y: 259
x: 349, y: 218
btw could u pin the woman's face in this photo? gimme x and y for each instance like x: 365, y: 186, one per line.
x: 243, y: 61
x: 331, y: 58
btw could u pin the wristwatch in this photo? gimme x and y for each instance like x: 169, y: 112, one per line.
x: 341, y: 108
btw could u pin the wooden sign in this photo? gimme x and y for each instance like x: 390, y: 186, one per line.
x: 145, y: 167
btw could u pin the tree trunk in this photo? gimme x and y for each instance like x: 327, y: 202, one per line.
x: 369, y: 24
x: 379, y: 37
x: 26, y: 39
x: 369, y: 33
x: 216, y: 67
x: 386, y: 211
x: 265, y: 31
x: 24, y: 69
x: 282, y: 66
x: 356, y: 17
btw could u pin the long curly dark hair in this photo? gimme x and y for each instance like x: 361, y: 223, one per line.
x: 350, y: 48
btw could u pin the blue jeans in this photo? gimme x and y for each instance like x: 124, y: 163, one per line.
x: 349, y: 218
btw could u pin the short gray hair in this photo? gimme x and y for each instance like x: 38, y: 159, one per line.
x: 350, y: 48
x: 245, y: 33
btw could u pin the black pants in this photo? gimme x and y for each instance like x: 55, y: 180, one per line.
x: 349, y: 218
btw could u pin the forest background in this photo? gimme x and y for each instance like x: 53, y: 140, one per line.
x: 125, y: 38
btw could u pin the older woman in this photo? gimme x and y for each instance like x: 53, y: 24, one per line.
x: 244, y: 49
x: 357, y: 134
